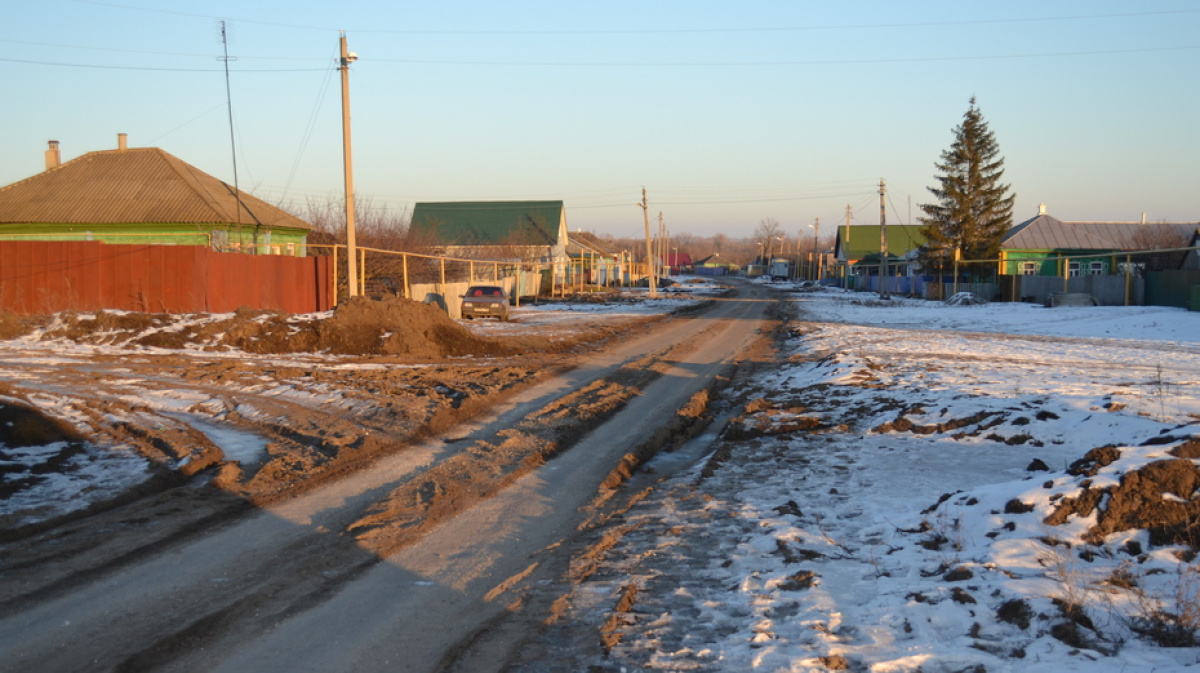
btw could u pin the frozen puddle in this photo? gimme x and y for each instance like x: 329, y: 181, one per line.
x: 242, y: 447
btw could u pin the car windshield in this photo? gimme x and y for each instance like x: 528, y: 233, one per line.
x: 485, y: 292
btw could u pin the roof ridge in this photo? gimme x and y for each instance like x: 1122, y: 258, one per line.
x: 193, y: 178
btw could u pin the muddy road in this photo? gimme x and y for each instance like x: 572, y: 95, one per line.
x: 346, y: 545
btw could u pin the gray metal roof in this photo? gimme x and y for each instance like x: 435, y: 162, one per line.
x: 1045, y: 232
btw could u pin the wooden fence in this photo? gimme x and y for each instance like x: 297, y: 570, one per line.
x: 38, y: 277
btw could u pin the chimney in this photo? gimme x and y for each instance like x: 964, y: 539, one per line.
x: 53, y: 157
x: 1041, y: 209
x: 122, y: 144
x: 1143, y: 218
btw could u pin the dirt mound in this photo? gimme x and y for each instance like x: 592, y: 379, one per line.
x: 1157, y: 498
x: 13, y: 326
x: 358, y: 326
x: 361, y: 326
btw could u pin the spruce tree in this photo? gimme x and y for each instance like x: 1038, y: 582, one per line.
x: 974, y: 209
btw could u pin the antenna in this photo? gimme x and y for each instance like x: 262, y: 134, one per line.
x: 237, y: 192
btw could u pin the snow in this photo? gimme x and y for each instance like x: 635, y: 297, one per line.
x: 806, y: 547
x: 803, y: 548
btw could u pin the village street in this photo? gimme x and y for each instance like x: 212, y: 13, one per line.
x: 336, y: 578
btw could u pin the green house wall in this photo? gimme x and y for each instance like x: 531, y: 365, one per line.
x: 247, y: 238
x: 1014, y: 259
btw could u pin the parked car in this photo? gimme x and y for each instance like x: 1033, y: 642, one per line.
x: 485, y: 301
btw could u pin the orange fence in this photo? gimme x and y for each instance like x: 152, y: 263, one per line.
x: 50, y: 276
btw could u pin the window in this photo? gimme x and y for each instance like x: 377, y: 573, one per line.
x: 1097, y: 268
x: 1029, y: 268
x: 1073, y: 269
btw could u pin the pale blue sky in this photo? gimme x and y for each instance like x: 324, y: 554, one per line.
x: 727, y: 112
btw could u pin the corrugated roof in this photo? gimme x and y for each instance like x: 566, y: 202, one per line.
x: 1045, y: 232
x: 490, y: 222
x: 582, y: 241
x: 137, y: 185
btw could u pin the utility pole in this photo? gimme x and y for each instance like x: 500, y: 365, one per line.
x: 662, y: 245
x: 816, y: 247
x: 846, y: 249
x: 649, y: 246
x: 883, y: 250
x: 348, y: 57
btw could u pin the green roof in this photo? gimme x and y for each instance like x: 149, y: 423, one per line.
x: 864, y: 240
x: 490, y: 222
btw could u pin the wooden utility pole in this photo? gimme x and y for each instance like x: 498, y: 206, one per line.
x: 883, y: 247
x: 816, y: 247
x: 661, y: 255
x: 348, y: 57
x: 649, y: 246
x: 846, y: 248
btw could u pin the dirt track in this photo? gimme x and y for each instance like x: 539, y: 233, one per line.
x: 186, y: 577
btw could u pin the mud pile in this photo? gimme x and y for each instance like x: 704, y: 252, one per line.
x: 358, y: 326
x: 1158, y: 497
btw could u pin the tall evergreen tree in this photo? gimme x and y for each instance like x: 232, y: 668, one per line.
x: 974, y: 209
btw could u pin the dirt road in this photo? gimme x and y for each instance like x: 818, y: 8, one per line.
x: 432, y: 559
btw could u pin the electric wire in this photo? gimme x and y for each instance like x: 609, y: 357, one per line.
x: 665, y: 31
x: 309, y: 129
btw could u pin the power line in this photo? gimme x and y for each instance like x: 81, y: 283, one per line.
x: 810, y: 62
x: 665, y: 31
x: 152, y: 69
x: 308, y: 130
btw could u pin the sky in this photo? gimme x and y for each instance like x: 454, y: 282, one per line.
x: 726, y: 113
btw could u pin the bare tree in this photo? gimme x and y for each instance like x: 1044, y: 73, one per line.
x: 1161, y: 236
x: 767, y: 234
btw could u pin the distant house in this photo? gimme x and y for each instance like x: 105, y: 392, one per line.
x: 678, y: 262
x: 601, y: 261
x: 1041, y: 245
x: 143, y: 195
x: 859, y: 244
x: 713, y: 265
x: 529, y: 231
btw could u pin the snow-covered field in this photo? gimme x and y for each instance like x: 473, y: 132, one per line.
x: 883, y: 506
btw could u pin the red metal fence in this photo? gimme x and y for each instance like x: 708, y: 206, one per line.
x: 49, y: 276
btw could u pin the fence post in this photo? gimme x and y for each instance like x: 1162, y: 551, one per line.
x: 335, y: 276
x: 496, y: 272
x: 1066, y: 274
x: 1128, y: 279
x: 404, y: 268
x: 957, y: 254
x: 362, y: 271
